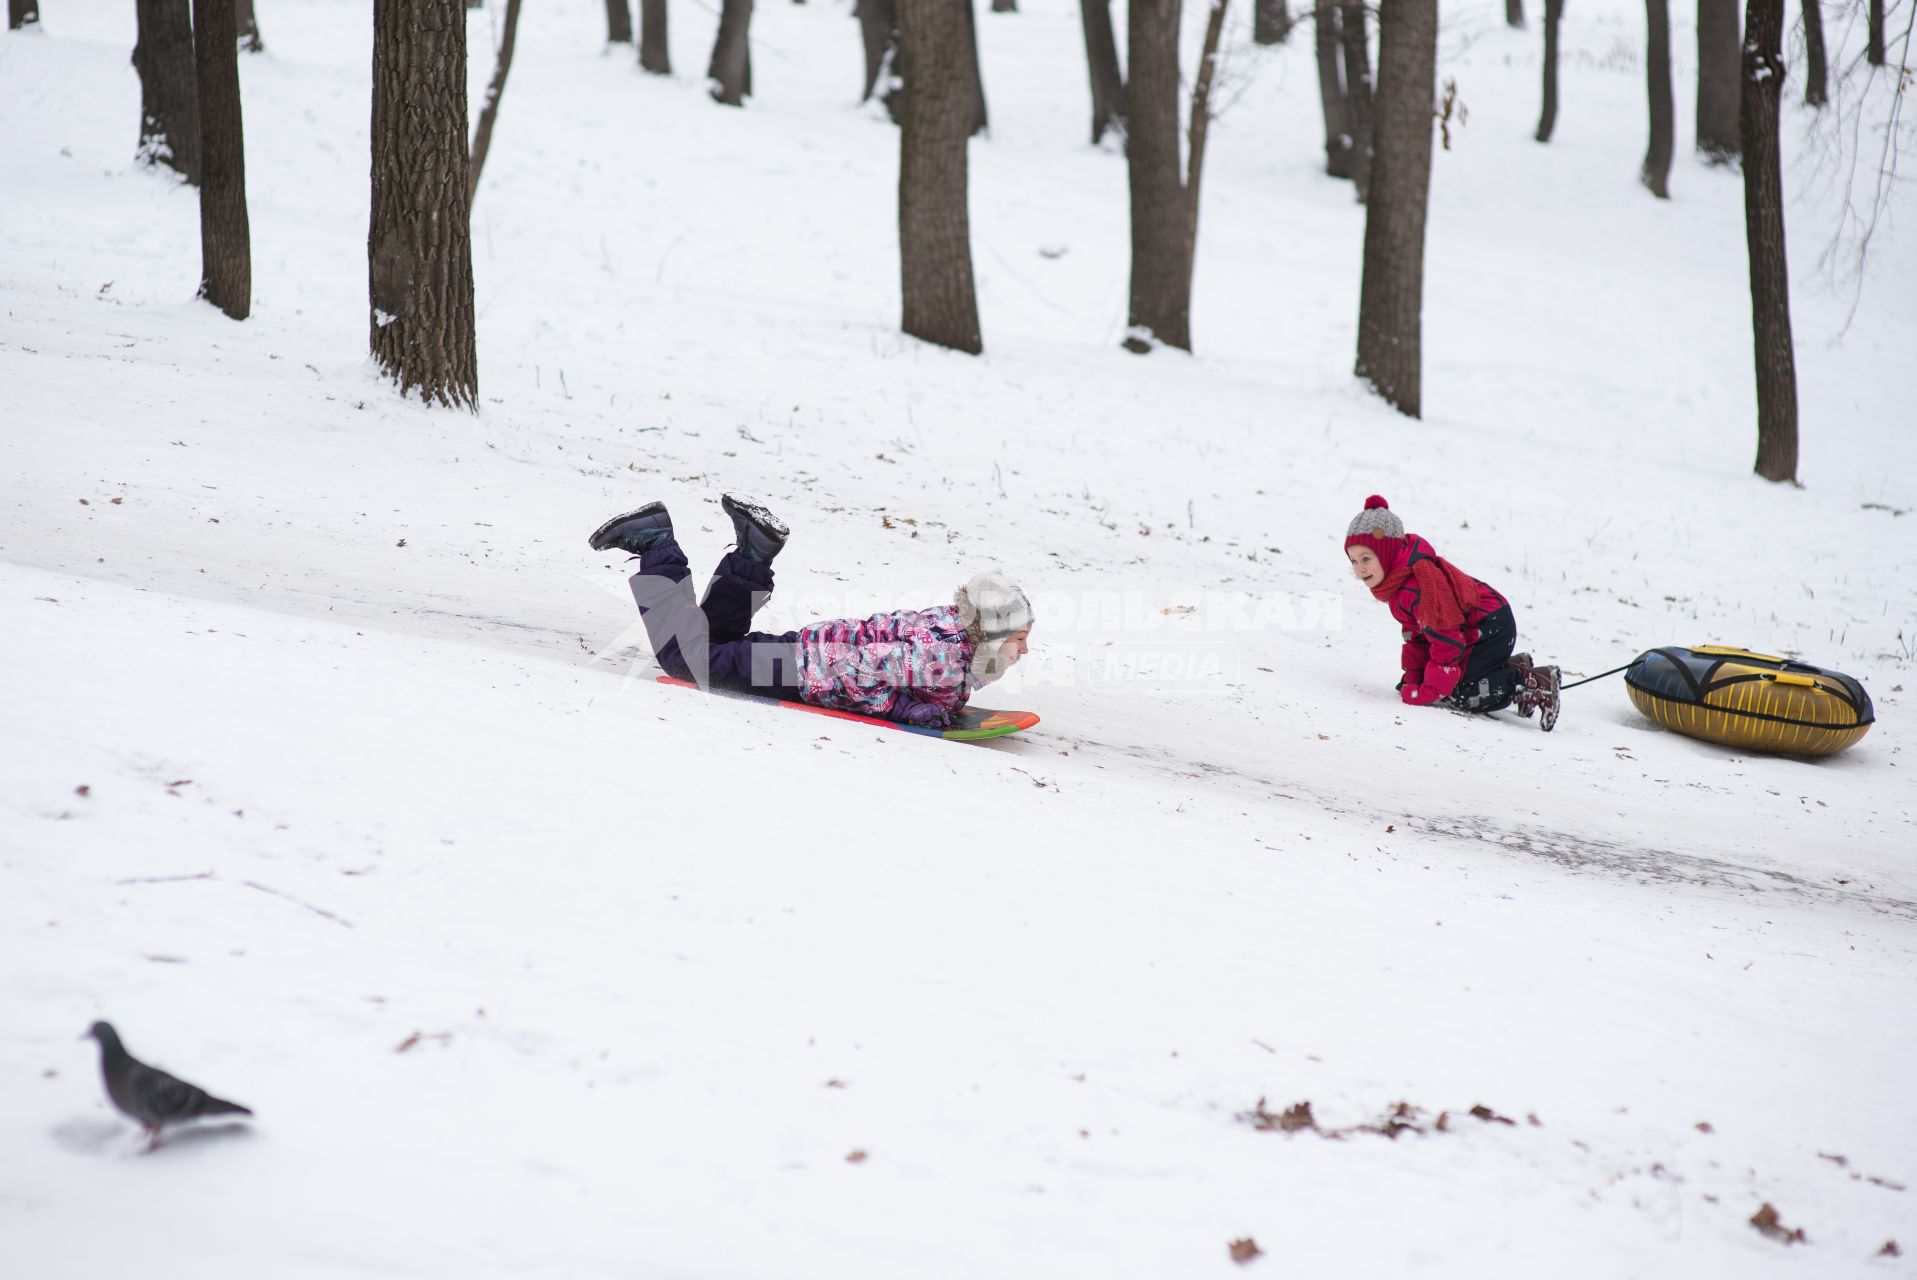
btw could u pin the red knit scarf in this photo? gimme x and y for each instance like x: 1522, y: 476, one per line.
x: 1444, y: 590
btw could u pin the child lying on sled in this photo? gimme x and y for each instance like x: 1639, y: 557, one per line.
x: 914, y: 666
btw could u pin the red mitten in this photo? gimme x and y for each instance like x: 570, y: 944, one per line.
x: 1441, y: 681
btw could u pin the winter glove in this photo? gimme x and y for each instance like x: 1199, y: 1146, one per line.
x: 1439, y: 683
x: 923, y: 715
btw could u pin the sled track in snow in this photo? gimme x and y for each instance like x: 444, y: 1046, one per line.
x: 1655, y: 866
x: 1580, y: 855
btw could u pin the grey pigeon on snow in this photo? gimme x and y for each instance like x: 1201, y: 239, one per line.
x: 148, y: 1094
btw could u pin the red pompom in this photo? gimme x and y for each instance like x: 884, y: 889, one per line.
x: 1374, y: 502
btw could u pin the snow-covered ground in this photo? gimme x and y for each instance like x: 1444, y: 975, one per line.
x: 332, y: 772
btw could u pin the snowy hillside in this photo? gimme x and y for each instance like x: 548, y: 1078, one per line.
x: 332, y: 770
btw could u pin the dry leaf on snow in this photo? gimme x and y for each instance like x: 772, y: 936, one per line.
x: 1772, y: 1227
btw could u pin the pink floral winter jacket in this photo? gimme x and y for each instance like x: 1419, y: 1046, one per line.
x: 910, y: 665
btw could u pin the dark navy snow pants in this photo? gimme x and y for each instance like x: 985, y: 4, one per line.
x: 708, y: 642
x: 1489, y: 685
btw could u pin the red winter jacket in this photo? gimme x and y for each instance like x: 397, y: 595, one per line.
x: 1432, y: 658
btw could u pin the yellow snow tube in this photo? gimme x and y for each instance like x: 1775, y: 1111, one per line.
x: 1750, y: 700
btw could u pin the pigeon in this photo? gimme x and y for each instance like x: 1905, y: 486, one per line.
x: 148, y: 1094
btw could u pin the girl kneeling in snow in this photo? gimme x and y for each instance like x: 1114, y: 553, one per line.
x: 915, y: 666
x: 1458, y: 632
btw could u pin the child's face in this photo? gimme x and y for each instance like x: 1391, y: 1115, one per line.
x: 1365, y: 566
x: 1012, y: 648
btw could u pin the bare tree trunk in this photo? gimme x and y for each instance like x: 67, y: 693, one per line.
x: 169, y: 95
x: 1160, y: 304
x: 1764, y: 234
x: 1720, y: 72
x: 249, y: 25
x: 419, y: 240
x: 1270, y: 21
x: 1200, y: 125
x: 483, y: 134
x: 653, y: 55
x: 1391, y: 300
x: 978, y: 76
x: 618, y: 22
x: 1548, y: 117
x: 1513, y: 15
x: 1358, y: 91
x: 1331, y: 90
x: 226, y: 245
x: 895, y: 66
x: 879, y: 33
x: 730, y: 71
x: 22, y: 13
x: 1874, y: 47
x: 1817, y: 62
x: 935, y: 238
x: 1101, y: 57
x: 1656, y: 173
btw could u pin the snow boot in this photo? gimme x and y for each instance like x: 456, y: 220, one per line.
x: 1540, y: 694
x: 1521, y: 663
x: 760, y: 534
x: 635, y: 532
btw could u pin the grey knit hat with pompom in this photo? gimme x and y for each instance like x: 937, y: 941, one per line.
x: 1376, y: 521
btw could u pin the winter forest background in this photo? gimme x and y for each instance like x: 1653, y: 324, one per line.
x: 332, y: 770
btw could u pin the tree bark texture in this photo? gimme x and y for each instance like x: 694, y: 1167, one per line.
x: 1359, y: 89
x: 1160, y: 283
x: 1270, y: 21
x: 1513, y: 14
x: 895, y: 71
x: 419, y: 241
x: 169, y: 93
x: 730, y: 71
x: 489, y: 112
x: 1391, y: 299
x: 1656, y: 173
x: 1329, y: 45
x: 1874, y: 40
x: 249, y: 28
x: 618, y: 22
x: 1720, y: 72
x: 22, y: 13
x: 935, y: 238
x: 653, y: 55
x: 1548, y: 115
x: 1816, y: 60
x: 879, y: 34
x: 1101, y: 57
x: 1764, y: 235
x: 226, y: 245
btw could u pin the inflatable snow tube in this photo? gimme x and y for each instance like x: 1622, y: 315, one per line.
x: 1748, y: 700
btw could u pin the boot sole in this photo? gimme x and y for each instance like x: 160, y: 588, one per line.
x: 734, y: 506
x: 1548, y: 710
x: 596, y: 541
